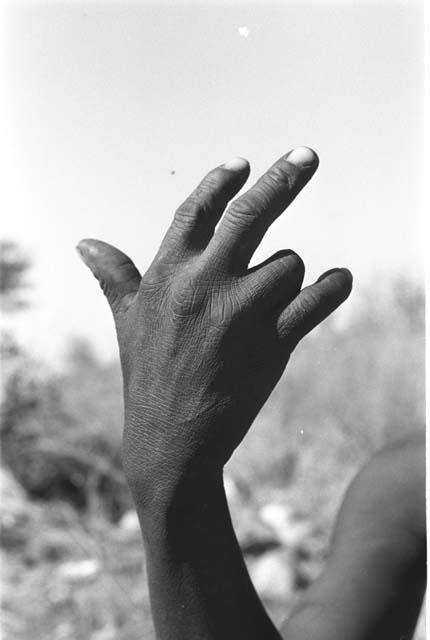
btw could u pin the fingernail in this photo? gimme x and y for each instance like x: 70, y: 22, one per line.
x: 236, y: 164
x: 303, y: 157
x: 82, y: 252
x: 345, y: 271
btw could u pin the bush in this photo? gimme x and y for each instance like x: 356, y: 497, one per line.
x: 347, y: 391
x: 61, y: 433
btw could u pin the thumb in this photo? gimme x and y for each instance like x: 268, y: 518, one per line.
x: 116, y: 273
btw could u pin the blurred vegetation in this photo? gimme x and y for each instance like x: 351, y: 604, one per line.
x: 14, y: 266
x: 71, y: 549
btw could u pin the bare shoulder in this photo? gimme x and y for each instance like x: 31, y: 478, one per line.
x: 389, y: 491
x: 375, y: 575
x: 398, y: 470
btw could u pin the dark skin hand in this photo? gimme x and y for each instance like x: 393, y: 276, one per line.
x: 203, y: 340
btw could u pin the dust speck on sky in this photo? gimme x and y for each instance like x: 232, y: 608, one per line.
x: 243, y: 32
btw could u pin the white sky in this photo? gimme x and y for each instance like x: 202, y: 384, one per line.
x: 104, y: 100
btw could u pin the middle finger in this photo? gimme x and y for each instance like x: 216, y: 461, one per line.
x: 248, y: 218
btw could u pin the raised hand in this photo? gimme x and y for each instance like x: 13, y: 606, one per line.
x: 203, y: 339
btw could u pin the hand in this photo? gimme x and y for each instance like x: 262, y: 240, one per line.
x: 203, y: 338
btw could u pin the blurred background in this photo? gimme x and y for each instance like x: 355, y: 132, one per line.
x: 111, y: 113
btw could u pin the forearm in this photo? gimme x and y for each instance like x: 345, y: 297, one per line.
x: 199, y: 585
x: 203, y: 340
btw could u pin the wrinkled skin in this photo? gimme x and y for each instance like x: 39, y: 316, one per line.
x: 204, y: 339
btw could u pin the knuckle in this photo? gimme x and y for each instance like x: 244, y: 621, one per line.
x: 241, y: 212
x: 278, y: 181
x: 225, y: 304
x: 295, y: 316
x: 307, y: 305
x: 183, y: 302
x: 158, y: 275
x: 105, y: 286
x: 210, y: 184
x: 188, y: 294
x: 201, y: 201
x: 278, y: 176
x: 282, y: 176
x: 237, y: 302
x: 193, y: 208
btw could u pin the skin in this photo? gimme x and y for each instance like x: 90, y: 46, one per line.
x: 203, y: 340
x: 374, y: 581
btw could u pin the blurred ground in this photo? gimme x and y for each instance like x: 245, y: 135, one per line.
x: 72, y: 557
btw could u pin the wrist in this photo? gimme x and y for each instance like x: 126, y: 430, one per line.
x: 170, y: 488
x: 179, y: 518
x: 163, y: 453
